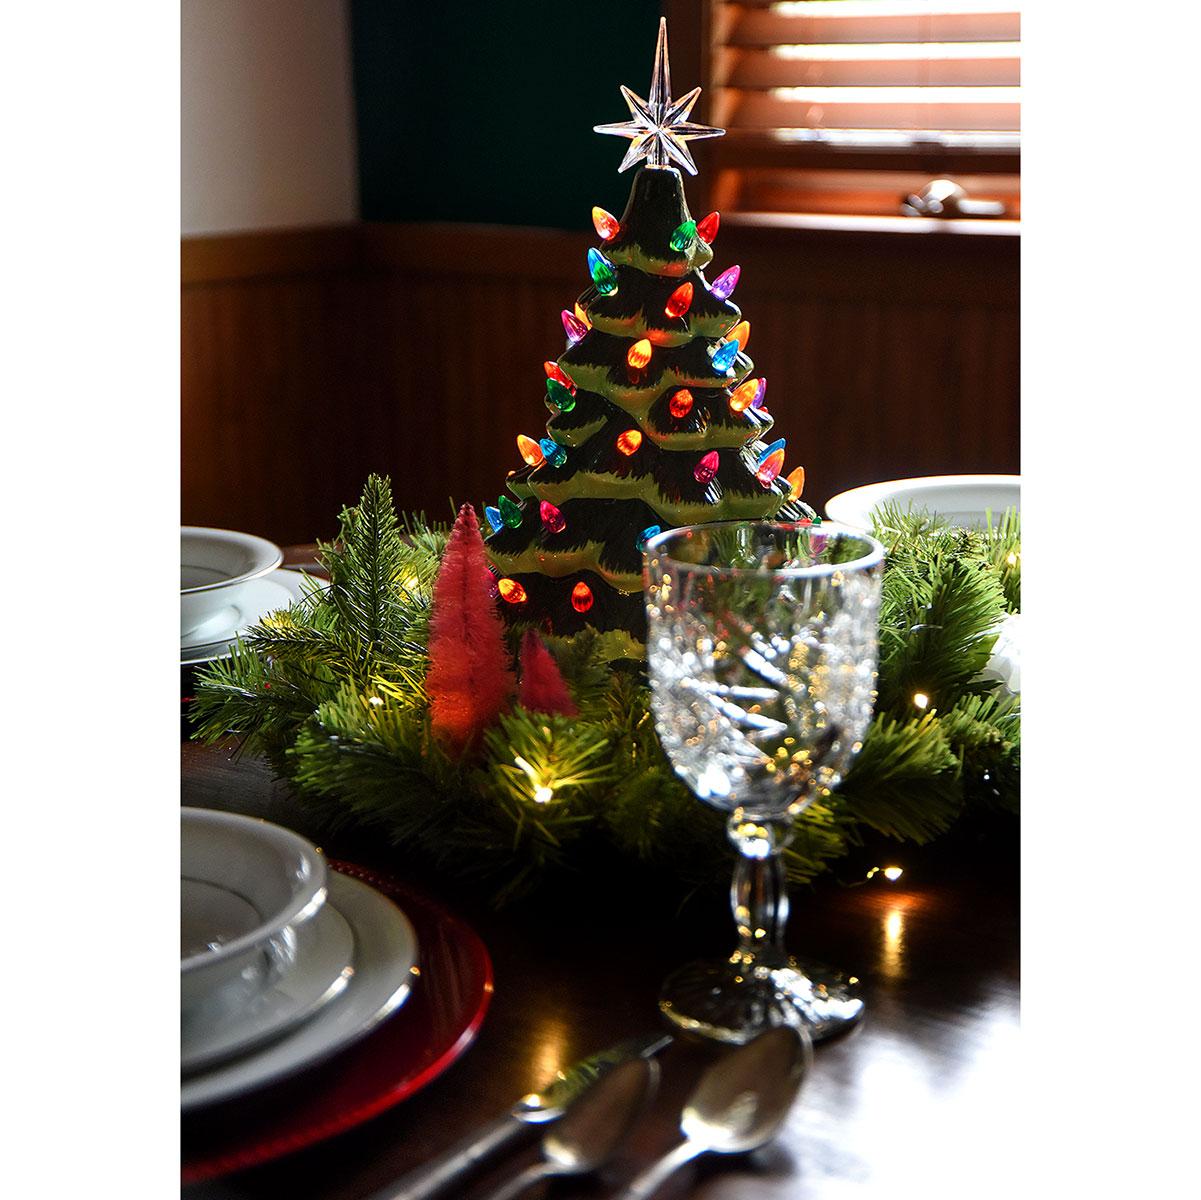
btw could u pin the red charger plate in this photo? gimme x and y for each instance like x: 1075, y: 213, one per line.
x: 411, y: 1048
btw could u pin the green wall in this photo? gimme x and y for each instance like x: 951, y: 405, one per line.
x: 483, y: 111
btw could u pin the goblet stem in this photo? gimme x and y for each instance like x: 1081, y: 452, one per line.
x: 759, y: 892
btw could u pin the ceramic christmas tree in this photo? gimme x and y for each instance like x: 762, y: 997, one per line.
x: 658, y: 419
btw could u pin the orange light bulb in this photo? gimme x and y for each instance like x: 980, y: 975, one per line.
x: 741, y: 333
x: 680, y: 301
x: 743, y: 396
x: 680, y: 405
x: 581, y: 597
x: 511, y: 591
x: 796, y: 481
x: 629, y: 441
x: 582, y: 316
x: 639, y: 354
x: 530, y: 450
x: 607, y: 225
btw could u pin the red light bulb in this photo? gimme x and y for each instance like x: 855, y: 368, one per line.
x: 706, y: 227
x: 581, y: 597
x: 555, y: 372
x: 680, y: 301
x: 552, y: 518
x: 680, y: 405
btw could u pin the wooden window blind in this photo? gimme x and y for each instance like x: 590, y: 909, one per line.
x: 847, y: 105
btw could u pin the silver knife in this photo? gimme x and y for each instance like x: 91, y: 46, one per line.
x: 518, y: 1126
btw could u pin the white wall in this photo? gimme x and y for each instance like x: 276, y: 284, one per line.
x: 267, y: 136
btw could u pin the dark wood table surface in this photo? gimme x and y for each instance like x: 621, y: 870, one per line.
x: 916, y: 1101
x: 912, y: 1102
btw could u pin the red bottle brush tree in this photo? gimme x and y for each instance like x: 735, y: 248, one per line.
x: 542, y: 687
x: 470, y: 679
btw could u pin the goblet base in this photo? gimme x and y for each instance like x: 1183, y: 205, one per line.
x: 731, y: 1002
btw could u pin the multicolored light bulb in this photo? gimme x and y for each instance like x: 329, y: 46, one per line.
x: 602, y: 271
x: 683, y: 236
x: 679, y: 302
x: 646, y: 535
x: 529, y: 450
x: 554, y: 453
x: 724, y: 356
x: 796, y: 481
x: 581, y: 597
x: 770, y: 467
x: 639, y: 354
x: 606, y: 224
x: 778, y: 444
x: 741, y: 333
x: 723, y: 286
x: 629, y: 441
x: 511, y: 591
x: 760, y: 393
x: 573, y: 327
x: 509, y: 512
x: 706, y: 469
x: 493, y: 517
x: 559, y: 397
x: 552, y: 518
x: 706, y: 227
x: 680, y: 405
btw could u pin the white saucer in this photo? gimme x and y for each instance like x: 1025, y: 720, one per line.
x: 255, y: 600
x: 240, y: 1017
x: 385, y: 955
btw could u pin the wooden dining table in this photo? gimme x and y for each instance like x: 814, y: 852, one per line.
x: 914, y: 1101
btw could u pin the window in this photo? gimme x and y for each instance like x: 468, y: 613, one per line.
x: 851, y: 106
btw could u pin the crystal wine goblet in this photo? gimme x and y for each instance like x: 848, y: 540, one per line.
x: 762, y: 649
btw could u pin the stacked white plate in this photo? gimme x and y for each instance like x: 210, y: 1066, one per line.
x: 228, y: 582
x: 282, y: 962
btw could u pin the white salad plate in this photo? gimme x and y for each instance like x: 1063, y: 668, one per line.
x: 214, y: 566
x: 246, y: 888
x: 966, y: 500
x: 384, y: 957
x: 258, y: 598
x: 240, y: 1017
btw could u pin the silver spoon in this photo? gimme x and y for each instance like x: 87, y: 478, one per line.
x: 738, y: 1105
x: 593, y: 1127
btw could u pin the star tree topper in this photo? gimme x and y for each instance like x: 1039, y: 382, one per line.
x: 660, y: 129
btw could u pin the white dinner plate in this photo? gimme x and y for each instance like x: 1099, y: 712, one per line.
x: 385, y: 955
x: 257, y: 598
x: 960, y: 499
x: 240, y: 1017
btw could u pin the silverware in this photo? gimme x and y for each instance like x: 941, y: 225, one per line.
x: 738, y: 1105
x: 518, y: 1126
x: 592, y: 1128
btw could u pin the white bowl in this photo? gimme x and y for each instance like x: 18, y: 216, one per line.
x: 960, y: 499
x: 247, y: 887
x: 214, y: 564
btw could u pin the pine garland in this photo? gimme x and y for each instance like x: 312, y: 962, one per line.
x: 332, y: 690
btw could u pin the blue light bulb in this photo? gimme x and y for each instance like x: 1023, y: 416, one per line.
x: 494, y: 517
x: 724, y: 356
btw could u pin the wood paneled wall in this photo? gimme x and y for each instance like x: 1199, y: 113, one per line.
x: 310, y: 359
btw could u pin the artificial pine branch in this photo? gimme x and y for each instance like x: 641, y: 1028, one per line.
x: 333, y: 690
